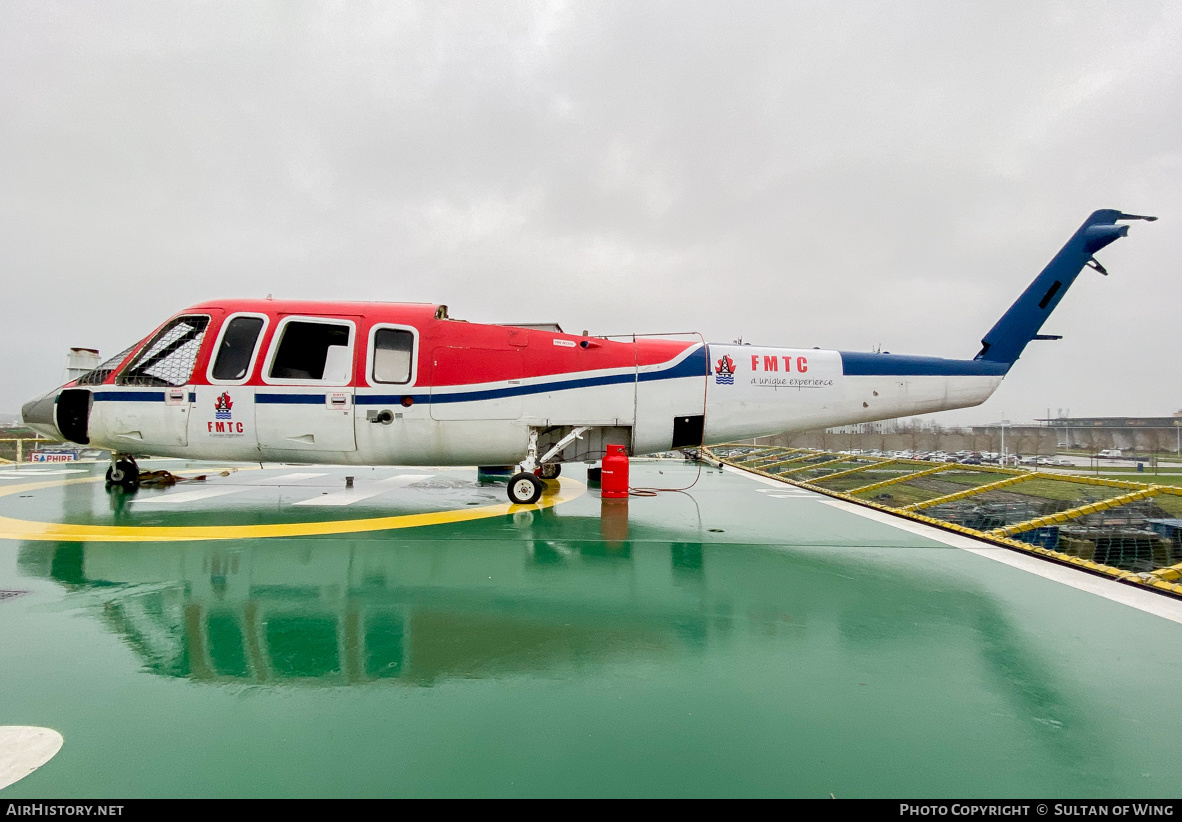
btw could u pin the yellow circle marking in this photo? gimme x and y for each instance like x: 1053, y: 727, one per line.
x: 555, y: 493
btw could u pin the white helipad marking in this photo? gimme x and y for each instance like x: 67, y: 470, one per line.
x: 777, y: 485
x: 24, y: 749
x: 782, y: 490
x: 403, y: 480
x: 1146, y: 601
x: 176, y: 498
x: 26, y: 474
x: 352, y: 495
x: 299, y: 476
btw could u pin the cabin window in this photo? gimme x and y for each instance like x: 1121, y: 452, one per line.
x: 236, y: 350
x: 392, y: 352
x: 313, y: 351
x: 169, y: 358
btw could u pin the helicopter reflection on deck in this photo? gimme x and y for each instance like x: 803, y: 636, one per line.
x: 348, y: 611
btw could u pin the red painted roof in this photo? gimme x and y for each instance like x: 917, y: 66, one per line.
x: 375, y: 311
x: 450, y: 352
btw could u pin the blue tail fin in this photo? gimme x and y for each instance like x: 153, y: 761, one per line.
x: 1006, y: 340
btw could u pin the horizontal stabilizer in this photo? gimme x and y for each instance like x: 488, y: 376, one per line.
x: 1021, y: 323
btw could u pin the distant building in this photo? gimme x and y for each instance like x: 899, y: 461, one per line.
x: 1125, y: 433
x: 1044, y: 436
x: 878, y: 427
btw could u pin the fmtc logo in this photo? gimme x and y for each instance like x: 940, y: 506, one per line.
x: 224, y: 426
x: 772, y: 363
x: 724, y: 372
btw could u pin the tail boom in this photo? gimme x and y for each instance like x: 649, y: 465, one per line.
x: 763, y: 391
x: 1021, y: 323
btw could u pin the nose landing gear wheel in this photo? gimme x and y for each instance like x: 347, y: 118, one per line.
x: 525, y: 489
x: 551, y: 470
x: 124, y: 473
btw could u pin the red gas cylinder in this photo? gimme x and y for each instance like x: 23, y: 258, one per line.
x: 615, y: 473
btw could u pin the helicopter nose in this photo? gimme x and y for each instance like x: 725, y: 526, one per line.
x: 38, y: 414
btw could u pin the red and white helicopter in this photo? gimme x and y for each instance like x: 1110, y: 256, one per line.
x: 405, y: 384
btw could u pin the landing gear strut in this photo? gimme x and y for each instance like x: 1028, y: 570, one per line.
x: 525, y: 488
x: 123, y: 472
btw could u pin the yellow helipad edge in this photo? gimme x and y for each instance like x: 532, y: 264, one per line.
x: 10, y: 528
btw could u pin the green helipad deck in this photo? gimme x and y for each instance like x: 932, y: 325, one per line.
x: 268, y: 632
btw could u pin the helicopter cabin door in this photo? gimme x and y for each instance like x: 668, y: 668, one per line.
x: 306, y: 402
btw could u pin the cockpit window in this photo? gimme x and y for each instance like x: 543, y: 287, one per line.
x: 237, y: 347
x: 169, y: 358
x: 312, y: 351
x: 392, y: 349
x: 99, y: 375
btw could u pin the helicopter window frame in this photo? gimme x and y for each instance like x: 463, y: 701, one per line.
x: 147, y: 349
x: 254, y: 356
x: 277, y: 340
x: 371, y: 351
x: 109, y: 366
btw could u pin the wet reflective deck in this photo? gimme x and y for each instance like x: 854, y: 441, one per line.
x: 271, y: 633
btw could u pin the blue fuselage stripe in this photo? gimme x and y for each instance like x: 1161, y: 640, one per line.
x: 129, y: 396
x: 694, y: 365
x: 897, y: 365
x: 498, y: 393
x: 291, y: 399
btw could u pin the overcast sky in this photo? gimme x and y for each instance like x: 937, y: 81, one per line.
x: 842, y: 175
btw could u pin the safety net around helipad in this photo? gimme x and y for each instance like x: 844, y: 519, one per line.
x: 1124, y: 529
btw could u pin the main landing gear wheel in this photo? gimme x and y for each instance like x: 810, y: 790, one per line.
x: 525, y: 489
x: 550, y: 471
x: 124, y: 473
